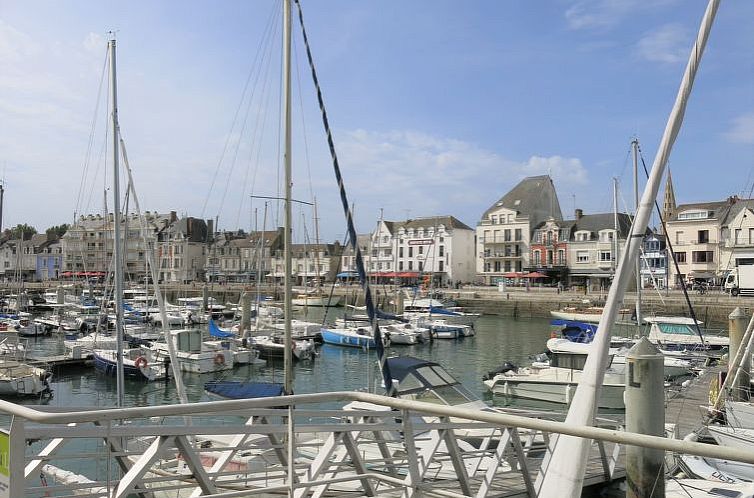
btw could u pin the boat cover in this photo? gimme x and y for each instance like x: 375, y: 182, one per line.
x: 233, y: 389
x: 216, y: 331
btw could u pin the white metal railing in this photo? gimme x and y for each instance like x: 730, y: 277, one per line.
x: 240, y: 448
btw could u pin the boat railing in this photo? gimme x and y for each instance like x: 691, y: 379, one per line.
x: 240, y: 448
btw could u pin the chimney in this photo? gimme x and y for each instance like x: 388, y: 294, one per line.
x: 579, y: 213
x: 210, y: 230
x: 173, y: 216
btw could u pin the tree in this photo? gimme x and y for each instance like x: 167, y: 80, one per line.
x: 57, y: 230
x: 20, y: 231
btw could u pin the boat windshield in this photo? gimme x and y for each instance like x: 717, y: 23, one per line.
x: 445, y: 395
x: 675, y: 328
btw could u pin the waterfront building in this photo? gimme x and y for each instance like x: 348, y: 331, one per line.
x: 224, y: 257
x: 695, y: 233
x: 18, y: 257
x: 182, y: 251
x: 49, y: 259
x: 348, y: 258
x: 311, y: 264
x: 737, y: 237
x: 87, y: 246
x: 503, y: 234
x: 594, y: 248
x: 436, y: 249
x: 654, y: 262
x: 549, y: 249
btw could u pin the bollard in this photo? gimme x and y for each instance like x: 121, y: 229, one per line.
x: 205, y: 297
x: 398, y: 302
x: 246, y: 312
x: 645, y: 414
x: 736, y: 329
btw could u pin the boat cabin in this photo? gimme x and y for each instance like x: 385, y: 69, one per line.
x: 427, y: 381
x: 188, y: 340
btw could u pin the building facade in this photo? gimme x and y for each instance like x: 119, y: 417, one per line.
x: 503, y: 235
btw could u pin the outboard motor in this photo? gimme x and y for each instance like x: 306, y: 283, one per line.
x: 505, y: 367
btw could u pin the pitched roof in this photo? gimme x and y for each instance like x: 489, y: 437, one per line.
x: 719, y: 208
x: 534, y: 196
x: 450, y: 222
x: 595, y: 222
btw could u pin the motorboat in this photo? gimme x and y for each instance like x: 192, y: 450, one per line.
x: 680, y: 333
x: 192, y: 354
x: 589, y: 314
x: 272, y: 346
x: 138, y: 363
x: 554, y: 381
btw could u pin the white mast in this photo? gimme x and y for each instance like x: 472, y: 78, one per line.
x: 117, y: 235
x: 562, y: 471
x: 287, y: 359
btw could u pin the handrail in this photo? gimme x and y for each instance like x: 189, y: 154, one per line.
x: 501, y: 419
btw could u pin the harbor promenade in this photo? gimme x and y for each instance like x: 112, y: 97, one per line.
x: 712, y: 308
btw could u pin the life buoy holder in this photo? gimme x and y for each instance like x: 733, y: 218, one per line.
x: 219, y: 359
x: 141, y: 362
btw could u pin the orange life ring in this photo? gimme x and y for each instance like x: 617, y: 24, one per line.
x: 140, y: 362
x: 219, y: 359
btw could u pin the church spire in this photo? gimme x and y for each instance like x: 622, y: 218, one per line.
x: 668, y: 204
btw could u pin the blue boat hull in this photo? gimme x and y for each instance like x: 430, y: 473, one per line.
x: 110, y: 368
x: 333, y: 337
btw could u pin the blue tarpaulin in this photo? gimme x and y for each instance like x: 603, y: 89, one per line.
x: 216, y: 331
x: 233, y: 389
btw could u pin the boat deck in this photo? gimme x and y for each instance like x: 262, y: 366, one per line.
x: 687, y: 407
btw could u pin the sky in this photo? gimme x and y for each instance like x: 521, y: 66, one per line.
x: 437, y: 107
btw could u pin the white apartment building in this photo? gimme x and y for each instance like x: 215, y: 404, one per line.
x: 503, y: 235
x: 738, y: 237
x: 438, y: 247
x: 181, y: 251
x: 695, y: 234
x: 595, y: 248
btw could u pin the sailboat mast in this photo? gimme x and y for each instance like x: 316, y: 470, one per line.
x: 117, y: 235
x: 635, y: 150
x: 287, y: 306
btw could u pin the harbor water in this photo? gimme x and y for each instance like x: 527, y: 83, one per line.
x: 335, y: 368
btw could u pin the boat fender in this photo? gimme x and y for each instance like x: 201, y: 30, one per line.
x: 219, y: 359
x: 140, y: 362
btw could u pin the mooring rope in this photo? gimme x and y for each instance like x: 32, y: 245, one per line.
x: 379, y: 346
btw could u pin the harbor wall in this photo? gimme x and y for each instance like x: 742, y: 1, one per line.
x: 712, y: 307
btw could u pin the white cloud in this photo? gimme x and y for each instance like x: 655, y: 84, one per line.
x: 400, y: 170
x: 742, y: 130
x: 668, y: 44
x: 15, y: 45
x: 601, y: 14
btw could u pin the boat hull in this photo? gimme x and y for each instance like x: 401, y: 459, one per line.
x: 338, y: 338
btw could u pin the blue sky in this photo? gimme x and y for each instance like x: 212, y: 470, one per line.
x: 437, y: 107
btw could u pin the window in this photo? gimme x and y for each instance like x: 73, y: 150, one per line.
x: 493, y: 218
x: 400, y: 265
x: 738, y: 236
x: 751, y: 235
x: 497, y: 266
x: 410, y: 265
x: 680, y: 257
x: 400, y: 252
x: 421, y: 249
x: 421, y: 266
x: 549, y: 258
x: 487, y: 267
x: 507, y: 266
x: 507, y: 234
x: 679, y: 237
x: 702, y: 257
x: 441, y: 251
x: 549, y: 238
x: 606, y: 256
x: 440, y: 266
x: 582, y: 256
x: 410, y: 252
x: 561, y: 257
x: 537, y: 258
x: 702, y: 236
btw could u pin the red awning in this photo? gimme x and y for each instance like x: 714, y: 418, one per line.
x: 535, y: 274
x: 408, y: 274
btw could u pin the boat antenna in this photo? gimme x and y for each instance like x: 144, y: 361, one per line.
x: 379, y: 346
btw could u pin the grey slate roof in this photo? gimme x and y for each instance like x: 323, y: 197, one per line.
x: 534, y: 196
x: 720, y: 209
x: 595, y: 222
x: 450, y: 222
